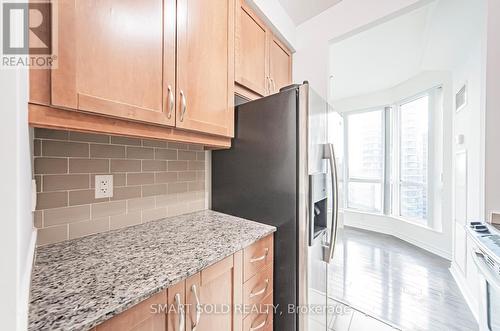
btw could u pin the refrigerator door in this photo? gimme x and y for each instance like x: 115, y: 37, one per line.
x: 257, y: 179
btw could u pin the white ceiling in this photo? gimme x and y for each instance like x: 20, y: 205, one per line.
x: 437, y: 36
x: 302, y: 10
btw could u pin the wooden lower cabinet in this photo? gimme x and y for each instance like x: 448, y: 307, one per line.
x: 210, y: 300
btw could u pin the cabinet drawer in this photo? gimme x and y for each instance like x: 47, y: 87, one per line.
x: 261, y: 319
x: 258, y: 287
x: 257, y: 257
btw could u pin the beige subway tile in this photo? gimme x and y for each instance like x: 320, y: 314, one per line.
x: 156, y: 189
x: 85, y: 228
x: 195, y: 147
x: 197, y: 205
x: 140, y: 178
x: 88, y: 137
x: 142, y: 153
x: 84, y: 166
x: 186, y: 197
x: 175, y: 145
x: 177, y: 209
x: 107, y: 151
x: 51, y: 200
x: 185, y: 176
x: 186, y: 155
x: 165, y: 177
x: 165, y: 154
x: 64, y: 148
x: 84, y: 197
x: 66, y: 215
x: 154, y: 165
x: 200, y: 156
x: 165, y: 200
x: 125, y: 220
x: 52, y: 235
x: 154, y: 214
x: 37, y: 147
x: 154, y: 143
x: 125, y: 165
x: 177, y: 187
x: 141, y: 203
x: 104, y: 209
x: 38, y: 180
x: 196, y: 165
x: 120, y: 140
x: 46, y: 165
x: 196, y: 186
x: 128, y: 192
x: 38, y: 219
x: 51, y: 134
x: 177, y: 165
x: 200, y: 175
x: 65, y: 182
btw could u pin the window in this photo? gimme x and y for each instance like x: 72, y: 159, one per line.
x: 387, y: 158
x: 413, y: 158
x: 365, y: 145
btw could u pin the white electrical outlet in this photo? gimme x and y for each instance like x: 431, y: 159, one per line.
x: 103, y: 186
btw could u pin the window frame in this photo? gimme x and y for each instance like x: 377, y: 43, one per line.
x: 347, y: 178
x: 391, y: 167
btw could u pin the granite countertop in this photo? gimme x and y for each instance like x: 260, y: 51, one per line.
x: 80, y: 283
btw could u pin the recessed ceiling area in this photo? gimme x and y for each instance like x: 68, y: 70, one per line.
x: 302, y: 10
x: 436, y: 36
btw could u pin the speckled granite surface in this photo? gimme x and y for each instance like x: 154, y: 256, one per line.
x: 80, y: 283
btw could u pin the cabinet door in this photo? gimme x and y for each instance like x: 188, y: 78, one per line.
x: 176, y: 317
x: 145, y: 316
x: 214, y: 288
x: 251, y: 51
x: 117, y: 58
x: 280, y: 65
x: 205, y: 66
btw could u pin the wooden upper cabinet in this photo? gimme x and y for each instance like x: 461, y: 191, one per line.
x: 117, y: 58
x: 280, y: 65
x: 205, y: 66
x: 251, y: 49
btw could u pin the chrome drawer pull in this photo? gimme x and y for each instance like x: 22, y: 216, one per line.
x: 260, y: 292
x: 183, y: 105
x: 170, y: 102
x: 196, y: 321
x: 260, y: 258
x: 261, y: 325
x: 180, y: 309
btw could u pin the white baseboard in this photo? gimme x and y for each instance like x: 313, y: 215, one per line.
x: 462, y: 285
x: 434, y: 250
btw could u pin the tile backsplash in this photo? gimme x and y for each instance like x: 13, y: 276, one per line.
x: 152, y: 179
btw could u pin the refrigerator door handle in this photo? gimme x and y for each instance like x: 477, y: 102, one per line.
x: 329, y: 248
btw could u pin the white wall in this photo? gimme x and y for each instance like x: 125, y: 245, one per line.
x: 347, y: 17
x: 492, y: 116
x: 17, y: 238
x: 439, y: 239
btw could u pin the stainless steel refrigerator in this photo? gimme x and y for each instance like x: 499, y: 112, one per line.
x: 281, y: 170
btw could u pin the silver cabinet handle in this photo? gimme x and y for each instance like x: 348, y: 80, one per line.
x: 183, y: 105
x: 267, y: 87
x: 196, y: 320
x: 274, y: 84
x: 260, y: 292
x: 171, y: 103
x: 180, y: 309
x: 329, y: 153
x: 261, y: 325
x: 260, y: 258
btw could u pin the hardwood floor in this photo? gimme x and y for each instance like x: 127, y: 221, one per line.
x: 394, y: 281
